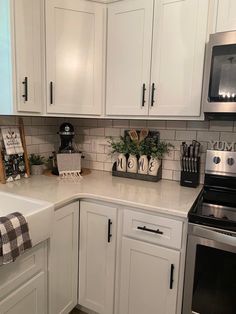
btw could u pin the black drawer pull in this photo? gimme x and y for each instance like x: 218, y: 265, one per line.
x: 144, y: 228
x: 25, y: 83
x: 172, y: 275
x: 143, y: 98
x: 109, y: 234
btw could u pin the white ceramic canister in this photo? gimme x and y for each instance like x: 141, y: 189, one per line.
x: 143, y: 164
x: 132, y: 164
x: 121, y: 163
x: 153, y: 166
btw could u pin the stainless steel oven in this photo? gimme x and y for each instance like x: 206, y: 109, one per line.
x: 210, y: 277
x: 210, y: 271
x: 219, y: 84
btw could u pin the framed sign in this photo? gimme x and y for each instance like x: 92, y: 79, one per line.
x: 14, y: 163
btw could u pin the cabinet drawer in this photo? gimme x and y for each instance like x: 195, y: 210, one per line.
x: 25, y: 267
x: 154, y: 229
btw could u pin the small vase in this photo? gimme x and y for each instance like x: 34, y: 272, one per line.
x: 121, y: 163
x: 132, y: 164
x: 143, y: 164
x: 37, y: 169
x: 153, y: 166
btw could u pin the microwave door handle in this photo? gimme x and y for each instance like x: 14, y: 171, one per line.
x: 226, y: 237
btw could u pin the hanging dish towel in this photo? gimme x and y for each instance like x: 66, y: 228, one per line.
x: 14, y: 237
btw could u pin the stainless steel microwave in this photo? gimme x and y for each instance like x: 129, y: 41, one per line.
x: 219, y: 83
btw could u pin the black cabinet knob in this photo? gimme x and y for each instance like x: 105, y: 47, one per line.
x: 216, y: 160
x: 230, y: 161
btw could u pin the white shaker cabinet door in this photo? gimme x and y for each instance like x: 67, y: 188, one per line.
x: 147, y: 272
x: 74, y: 50
x: 179, y: 37
x: 28, y: 34
x: 97, y: 257
x: 63, y: 260
x: 128, y: 57
x: 226, y: 17
x: 29, y: 298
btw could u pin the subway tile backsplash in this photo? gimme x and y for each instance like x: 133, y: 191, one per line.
x: 91, y: 137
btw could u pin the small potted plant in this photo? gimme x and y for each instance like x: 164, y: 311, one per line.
x: 119, y: 147
x: 37, y: 163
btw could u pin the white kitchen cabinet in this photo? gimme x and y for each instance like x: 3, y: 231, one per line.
x: 75, y: 39
x: 179, y: 37
x: 28, y: 298
x: 29, y: 62
x: 146, y: 273
x: 129, y: 57
x: 63, y: 260
x: 162, y: 46
x: 21, y: 56
x: 226, y: 18
x: 97, y: 257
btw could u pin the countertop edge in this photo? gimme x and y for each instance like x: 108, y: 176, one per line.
x: 151, y: 209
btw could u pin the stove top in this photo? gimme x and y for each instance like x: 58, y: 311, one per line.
x: 216, y: 204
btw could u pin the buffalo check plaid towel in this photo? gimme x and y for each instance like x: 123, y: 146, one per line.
x: 14, y: 237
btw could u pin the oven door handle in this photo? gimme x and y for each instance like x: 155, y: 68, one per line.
x: 218, y: 235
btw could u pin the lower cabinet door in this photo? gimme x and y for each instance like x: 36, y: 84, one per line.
x: 97, y: 257
x: 29, y: 298
x: 63, y: 260
x: 149, y: 278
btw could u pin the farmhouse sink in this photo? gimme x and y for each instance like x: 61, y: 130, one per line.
x: 39, y: 214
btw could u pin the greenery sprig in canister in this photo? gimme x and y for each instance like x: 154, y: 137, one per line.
x: 120, y: 148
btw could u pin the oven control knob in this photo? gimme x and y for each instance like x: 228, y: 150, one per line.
x: 230, y: 161
x: 216, y: 160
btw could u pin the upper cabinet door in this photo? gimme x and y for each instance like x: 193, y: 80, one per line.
x: 128, y: 57
x: 180, y: 30
x: 226, y: 17
x: 28, y: 33
x: 74, y: 50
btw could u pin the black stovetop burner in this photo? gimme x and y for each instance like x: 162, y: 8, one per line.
x: 216, y: 203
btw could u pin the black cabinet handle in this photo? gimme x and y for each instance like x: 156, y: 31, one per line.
x: 25, y: 83
x: 172, y: 275
x: 144, y: 92
x: 144, y: 228
x: 109, y: 234
x: 51, y: 93
x: 152, y: 95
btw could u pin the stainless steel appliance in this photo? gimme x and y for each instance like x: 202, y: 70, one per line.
x: 210, y: 273
x: 219, y: 84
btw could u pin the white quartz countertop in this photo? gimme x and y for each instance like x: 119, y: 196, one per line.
x: 165, y: 196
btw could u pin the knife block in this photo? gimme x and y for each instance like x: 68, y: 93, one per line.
x: 191, y: 179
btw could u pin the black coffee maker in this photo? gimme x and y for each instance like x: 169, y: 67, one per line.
x: 67, y: 134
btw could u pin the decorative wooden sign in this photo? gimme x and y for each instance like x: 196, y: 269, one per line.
x: 14, y: 163
x: 223, y: 145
